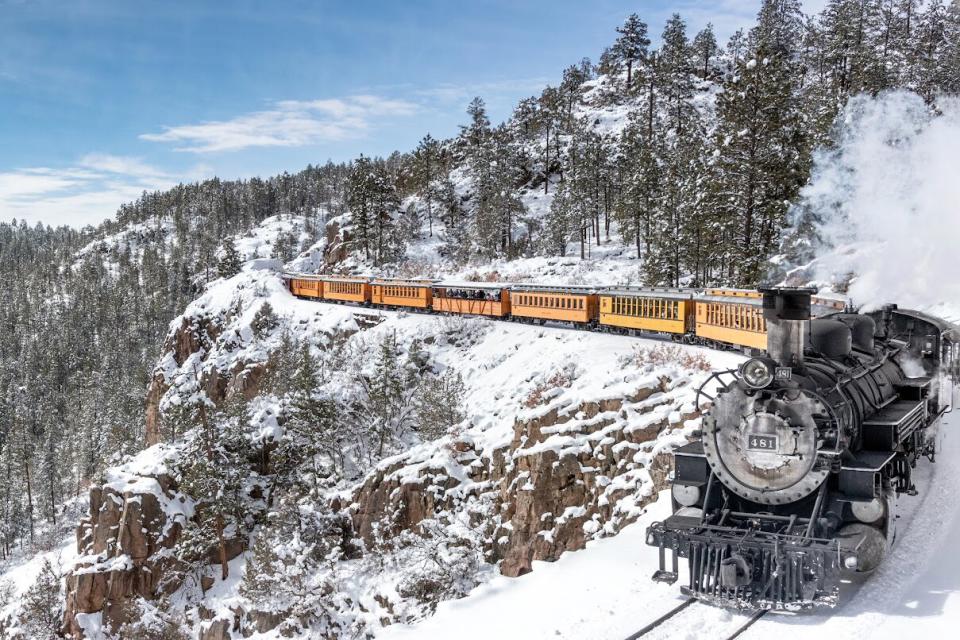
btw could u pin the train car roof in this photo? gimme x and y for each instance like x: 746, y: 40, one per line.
x: 650, y: 292
x: 730, y: 292
x: 750, y: 302
x: 397, y: 282
x: 336, y: 278
x: 559, y: 288
x: 453, y: 284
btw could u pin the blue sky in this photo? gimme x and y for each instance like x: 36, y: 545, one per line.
x: 100, y: 99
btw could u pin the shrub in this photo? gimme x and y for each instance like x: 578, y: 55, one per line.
x: 663, y: 355
x: 560, y: 379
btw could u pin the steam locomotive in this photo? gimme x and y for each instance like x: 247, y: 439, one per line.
x: 804, y: 454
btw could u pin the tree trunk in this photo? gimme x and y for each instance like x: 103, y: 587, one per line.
x: 224, y: 567
x: 636, y: 224
x: 546, y: 164
x: 29, y: 498
x: 218, y: 521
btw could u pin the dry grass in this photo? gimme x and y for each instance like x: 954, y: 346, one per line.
x: 489, y: 276
x: 559, y: 379
x: 669, y: 355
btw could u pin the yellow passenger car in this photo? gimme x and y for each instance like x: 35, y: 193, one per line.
x: 472, y: 299
x: 402, y: 293
x: 648, y: 309
x: 565, y: 304
x: 305, y: 286
x: 732, y: 316
x: 346, y: 288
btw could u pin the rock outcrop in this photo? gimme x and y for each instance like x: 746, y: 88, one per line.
x: 571, y: 474
x: 584, y: 456
x: 134, y: 521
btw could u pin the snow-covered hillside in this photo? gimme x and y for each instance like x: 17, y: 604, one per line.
x: 605, y: 591
x: 542, y: 407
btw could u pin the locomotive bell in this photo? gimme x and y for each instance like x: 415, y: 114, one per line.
x: 786, y: 311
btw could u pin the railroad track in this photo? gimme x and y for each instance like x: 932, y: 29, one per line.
x: 663, y: 622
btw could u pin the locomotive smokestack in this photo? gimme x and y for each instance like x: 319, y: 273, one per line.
x: 786, y: 311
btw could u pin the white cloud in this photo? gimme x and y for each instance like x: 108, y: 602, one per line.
x: 123, y: 165
x: 86, y: 193
x: 289, y: 123
x: 456, y: 93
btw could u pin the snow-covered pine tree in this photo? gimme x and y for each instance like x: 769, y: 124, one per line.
x: 229, y: 262
x: 359, y: 197
x: 632, y: 44
x: 638, y: 160
x: 763, y: 149
x: 426, y: 163
x: 704, y: 51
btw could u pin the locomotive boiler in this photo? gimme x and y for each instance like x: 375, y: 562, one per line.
x: 803, y: 455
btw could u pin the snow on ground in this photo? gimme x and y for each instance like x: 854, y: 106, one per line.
x: 19, y: 574
x: 501, y: 362
x: 605, y: 590
x: 258, y: 242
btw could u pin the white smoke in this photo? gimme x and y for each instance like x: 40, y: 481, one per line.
x: 888, y: 197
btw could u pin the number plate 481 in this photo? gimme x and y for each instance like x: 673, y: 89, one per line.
x: 762, y: 443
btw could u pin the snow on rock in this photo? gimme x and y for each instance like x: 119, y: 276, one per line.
x: 123, y: 546
x: 566, y: 440
x: 605, y: 591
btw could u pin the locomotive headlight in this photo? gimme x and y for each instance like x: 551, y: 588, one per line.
x: 686, y: 495
x: 868, y: 512
x: 757, y: 373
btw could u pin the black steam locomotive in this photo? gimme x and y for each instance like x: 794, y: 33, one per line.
x: 804, y: 454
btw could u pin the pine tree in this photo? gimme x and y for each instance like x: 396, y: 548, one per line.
x: 440, y: 404
x: 229, y: 263
x: 426, y: 169
x: 264, y: 320
x: 359, y: 198
x: 312, y: 427
x: 704, y: 50
x: 560, y: 222
x: 676, y: 74
x: 632, y: 44
x: 763, y: 150
x: 638, y: 159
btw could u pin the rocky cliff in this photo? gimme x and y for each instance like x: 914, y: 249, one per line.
x: 568, y: 438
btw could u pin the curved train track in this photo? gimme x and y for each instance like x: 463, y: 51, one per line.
x: 662, y: 626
